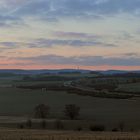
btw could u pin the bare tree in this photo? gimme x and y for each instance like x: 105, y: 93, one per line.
x: 43, y: 124
x: 72, y: 111
x: 59, y: 124
x: 29, y: 123
x: 122, y: 126
x: 42, y: 111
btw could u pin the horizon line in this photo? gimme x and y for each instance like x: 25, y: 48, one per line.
x: 69, y: 69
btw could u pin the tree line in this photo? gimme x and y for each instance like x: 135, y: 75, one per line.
x: 71, y: 111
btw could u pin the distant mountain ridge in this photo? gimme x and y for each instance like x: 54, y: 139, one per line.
x: 111, y: 72
x: 56, y: 71
x: 42, y: 71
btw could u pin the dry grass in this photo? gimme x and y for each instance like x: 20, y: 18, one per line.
x: 64, y: 135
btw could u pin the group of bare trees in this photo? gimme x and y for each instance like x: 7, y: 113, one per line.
x: 71, y: 111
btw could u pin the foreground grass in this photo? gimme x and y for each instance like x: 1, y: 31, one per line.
x: 8, y: 134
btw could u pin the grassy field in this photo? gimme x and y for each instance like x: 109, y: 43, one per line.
x: 64, y: 135
x: 21, y: 102
x: 133, y: 87
x: 109, y: 112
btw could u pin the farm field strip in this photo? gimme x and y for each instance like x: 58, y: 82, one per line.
x: 65, y: 135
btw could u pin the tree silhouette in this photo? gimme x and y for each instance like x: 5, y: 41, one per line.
x: 29, y: 123
x: 43, y: 124
x: 72, y: 111
x: 42, y: 111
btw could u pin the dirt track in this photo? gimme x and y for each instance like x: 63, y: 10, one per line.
x: 9, y: 134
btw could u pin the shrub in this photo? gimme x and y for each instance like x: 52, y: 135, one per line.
x: 114, y: 129
x: 121, y: 126
x: 21, y: 126
x: 97, y: 128
x: 79, y: 128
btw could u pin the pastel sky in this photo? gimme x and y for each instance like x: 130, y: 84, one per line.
x: 89, y: 34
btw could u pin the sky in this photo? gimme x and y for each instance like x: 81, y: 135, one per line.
x: 70, y: 34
